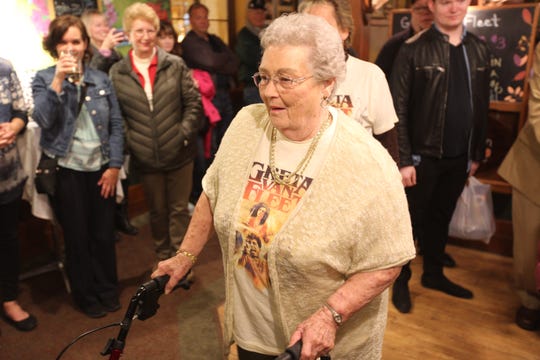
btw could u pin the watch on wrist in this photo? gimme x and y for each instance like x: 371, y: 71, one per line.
x: 338, y: 319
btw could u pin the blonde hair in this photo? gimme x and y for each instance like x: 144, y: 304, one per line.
x: 139, y: 11
x: 88, y: 14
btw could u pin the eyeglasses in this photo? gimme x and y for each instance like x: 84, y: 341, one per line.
x: 280, y: 81
x: 424, y: 10
x: 140, y: 32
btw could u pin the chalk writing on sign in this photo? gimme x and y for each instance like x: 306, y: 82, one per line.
x: 508, y: 31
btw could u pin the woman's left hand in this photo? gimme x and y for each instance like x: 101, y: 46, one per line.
x: 108, y: 182
x: 7, y: 134
x: 318, y: 334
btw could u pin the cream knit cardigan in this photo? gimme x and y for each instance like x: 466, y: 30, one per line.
x: 353, y: 218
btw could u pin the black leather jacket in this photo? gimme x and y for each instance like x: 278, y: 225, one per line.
x: 420, y: 89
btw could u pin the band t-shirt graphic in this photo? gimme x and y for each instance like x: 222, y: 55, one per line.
x: 365, y: 95
x: 265, y: 208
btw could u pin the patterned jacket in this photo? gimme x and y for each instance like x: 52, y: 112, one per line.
x: 12, y: 105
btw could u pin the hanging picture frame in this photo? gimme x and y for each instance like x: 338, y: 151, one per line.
x: 275, y: 8
x: 73, y: 7
x: 286, y: 6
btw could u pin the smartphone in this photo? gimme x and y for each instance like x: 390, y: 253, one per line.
x: 125, y: 41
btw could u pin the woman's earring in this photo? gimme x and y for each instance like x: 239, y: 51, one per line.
x: 325, y: 102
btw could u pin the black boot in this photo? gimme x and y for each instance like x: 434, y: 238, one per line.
x: 121, y: 220
x: 528, y: 319
x: 448, y: 261
x: 442, y: 283
x: 401, y: 297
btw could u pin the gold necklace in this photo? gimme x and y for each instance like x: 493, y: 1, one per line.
x: 287, y: 179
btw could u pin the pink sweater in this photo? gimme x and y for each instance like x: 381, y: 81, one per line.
x: 207, y: 90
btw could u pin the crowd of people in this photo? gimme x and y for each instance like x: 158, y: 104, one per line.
x: 317, y: 189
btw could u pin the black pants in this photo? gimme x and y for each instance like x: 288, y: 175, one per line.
x: 87, y: 220
x: 9, y: 250
x: 439, y: 183
x: 222, y: 101
x: 200, y: 165
x: 249, y: 355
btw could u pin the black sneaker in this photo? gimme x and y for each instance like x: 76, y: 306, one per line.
x: 401, y: 297
x: 122, y: 224
x: 111, y: 305
x: 95, y: 311
x: 441, y: 283
x: 126, y: 228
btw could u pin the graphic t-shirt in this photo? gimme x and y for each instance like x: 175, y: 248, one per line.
x: 365, y: 96
x: 265, y: 208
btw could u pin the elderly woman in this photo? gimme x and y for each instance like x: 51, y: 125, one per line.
x: 161, y: 108
x: 338, y: 223
x: 13, y: 119
x: 364, y: 95
x: 81, y: 127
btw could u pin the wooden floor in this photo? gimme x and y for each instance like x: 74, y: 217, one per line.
x: 441, y: 327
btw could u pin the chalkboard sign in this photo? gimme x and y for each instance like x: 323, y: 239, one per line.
x: 509, y: 32
x: 73, y: 7
x: 399, y: 21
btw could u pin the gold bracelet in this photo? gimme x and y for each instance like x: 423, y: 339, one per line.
x: 187, y: 254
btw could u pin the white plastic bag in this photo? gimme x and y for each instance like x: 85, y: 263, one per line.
x: 473, y: 217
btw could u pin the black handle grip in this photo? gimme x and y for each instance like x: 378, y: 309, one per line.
x: 293, y: 353
x: 159, y: 282
x: 156, y: 284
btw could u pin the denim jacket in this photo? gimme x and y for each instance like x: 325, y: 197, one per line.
x: 56, y: 114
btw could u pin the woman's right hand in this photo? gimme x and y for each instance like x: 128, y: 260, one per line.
x: 65, y: 65
x: 7, y: 135
x: 176, y: 267
x: 318, y: 335
x: 113, y: 38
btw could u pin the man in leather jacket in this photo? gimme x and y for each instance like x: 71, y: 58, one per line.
x: 440, y: 83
